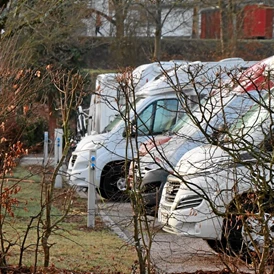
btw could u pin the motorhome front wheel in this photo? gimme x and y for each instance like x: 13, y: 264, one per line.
x: 248, y: 228
x: 121, y: 184
x: 110, y: 177
x: 216, y: 245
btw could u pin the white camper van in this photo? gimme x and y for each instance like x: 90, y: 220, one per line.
x: 216, y: 112
x: 158, y: 108
x: 212, y: 180
x: 108, y: 98
x: 103, y: 101
x: 222, y: 107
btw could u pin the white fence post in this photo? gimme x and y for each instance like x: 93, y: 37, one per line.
x: 91, y: 189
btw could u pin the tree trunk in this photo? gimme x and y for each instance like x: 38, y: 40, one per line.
x: 227, y: 28
x: 120, y: 14
x: 223, y: 23
x: 118, y: 45
x: 46, y: 251
x: 51, y: 120
x: 158, y: 32
x: 119, y: 25
x: 195, y: 22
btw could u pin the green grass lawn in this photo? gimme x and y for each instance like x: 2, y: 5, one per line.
x: 74, y: 246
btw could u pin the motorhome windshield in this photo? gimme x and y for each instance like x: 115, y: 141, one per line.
x: 185, y: 121
x: 213, y: 114
x: 119, y: 118
x: 252, y: 117
x: 205, y: 108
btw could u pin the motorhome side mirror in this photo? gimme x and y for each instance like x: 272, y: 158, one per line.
x: 219, y: 133
x: 133, y: 128
x: 132, y: 132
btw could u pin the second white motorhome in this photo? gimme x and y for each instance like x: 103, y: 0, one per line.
x: 223, y: 107
x: 224, y: 193
x: 216, y: 112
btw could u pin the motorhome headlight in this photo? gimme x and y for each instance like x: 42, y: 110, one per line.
x: 82, y: 158
x: 187, y: 168
x: 94, y: 145
x: 153, y: 163
x: 152, y: 166
x: 159, y: 164
x: 202, y: 168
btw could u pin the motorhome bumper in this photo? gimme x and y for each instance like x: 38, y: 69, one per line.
x: 78, y: 178
x: 192, y: 222
x: 80, y: 183
x: 78, y: 169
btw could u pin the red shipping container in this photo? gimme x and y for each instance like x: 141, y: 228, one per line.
x: 257, y: 22
x: 210, y: 24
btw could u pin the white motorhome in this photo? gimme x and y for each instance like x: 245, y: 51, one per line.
x: 223, y: 107
x: 211, y: 179
x: 103, y: 101
x: 157, y: 108
x: 108, y: 98
x: 210, y: 111
x: 159, y: 162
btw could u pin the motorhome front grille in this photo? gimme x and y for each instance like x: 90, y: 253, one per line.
x: 171, y: 190
x: 74, y: 157
x: 189, y: 202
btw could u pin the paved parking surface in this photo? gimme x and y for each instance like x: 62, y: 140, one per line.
x: 170, y: 253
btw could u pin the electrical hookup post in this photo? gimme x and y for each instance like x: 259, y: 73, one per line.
x: 91, y: 189
x: 58, y: 152
x: 46, y: 148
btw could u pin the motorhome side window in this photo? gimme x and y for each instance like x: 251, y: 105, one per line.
x: 158, y: 117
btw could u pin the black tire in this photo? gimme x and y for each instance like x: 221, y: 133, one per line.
x: 217, y: 246
x: 233, y: 225
x: 108, y: 187
x: 232, y: 235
